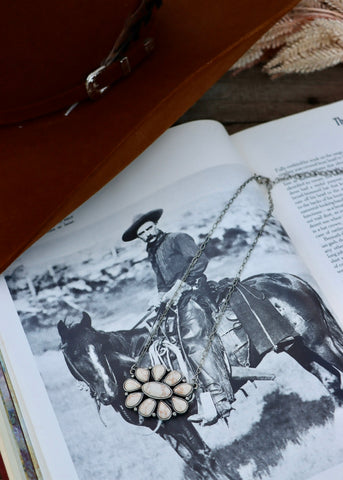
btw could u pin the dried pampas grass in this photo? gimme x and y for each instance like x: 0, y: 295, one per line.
x: 307, y: 39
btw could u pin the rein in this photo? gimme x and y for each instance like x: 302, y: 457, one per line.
x: 75, y: 371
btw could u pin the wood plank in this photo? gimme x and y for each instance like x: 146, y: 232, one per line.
x: 252, y: 97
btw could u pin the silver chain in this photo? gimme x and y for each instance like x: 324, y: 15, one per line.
x: 268, y: 184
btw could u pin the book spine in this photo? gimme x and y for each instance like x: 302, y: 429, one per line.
x: 20, y: 439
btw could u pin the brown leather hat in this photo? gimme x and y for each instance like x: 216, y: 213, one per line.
x: 55, y: 54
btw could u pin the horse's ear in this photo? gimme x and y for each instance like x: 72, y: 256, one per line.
x: 86, y: 320
x: 62, y: 329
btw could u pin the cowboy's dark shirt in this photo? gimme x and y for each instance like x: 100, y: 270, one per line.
x: 170, y: 255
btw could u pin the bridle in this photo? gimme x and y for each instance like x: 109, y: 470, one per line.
x: 79, y: 376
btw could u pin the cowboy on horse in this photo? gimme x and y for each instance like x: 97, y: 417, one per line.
x: 170, y: 255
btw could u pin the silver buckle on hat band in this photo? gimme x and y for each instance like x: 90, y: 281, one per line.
x: 92, y: 87
x: 92, y: 83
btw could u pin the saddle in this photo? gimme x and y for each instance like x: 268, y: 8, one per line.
x: 262, y: 324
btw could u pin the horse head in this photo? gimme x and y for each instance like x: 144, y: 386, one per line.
x: 86, y: 354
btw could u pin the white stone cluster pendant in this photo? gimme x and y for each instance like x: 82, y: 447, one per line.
x: 156, y: 391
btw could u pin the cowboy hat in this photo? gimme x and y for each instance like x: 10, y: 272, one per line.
x: 138, y: 221
x: 54, y: 157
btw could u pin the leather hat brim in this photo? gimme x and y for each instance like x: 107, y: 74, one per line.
x: 152, y: 216
x: 49, y: 166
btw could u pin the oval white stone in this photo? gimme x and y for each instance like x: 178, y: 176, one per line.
x: 173, y: 378
x: 179, y: 405
x: 157, y: 390
x: 184, y: 389
x: 133, y: 399
x: 130, y: 385
x: 158, y: 372
x: 147, y: 407
x: 142, y: 374
x: 164, y: 412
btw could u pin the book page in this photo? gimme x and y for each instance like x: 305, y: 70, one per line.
x: 45, y: 435
x: 181, y: 152
x: 82, y: 302
x: 311, y: 210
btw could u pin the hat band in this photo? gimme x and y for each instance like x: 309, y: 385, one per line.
x: 99, y: 81
x: 127, y: 53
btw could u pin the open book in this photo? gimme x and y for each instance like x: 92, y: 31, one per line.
x: 77, y: 307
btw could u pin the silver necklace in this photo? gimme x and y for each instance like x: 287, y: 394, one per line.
x: 158, y: 391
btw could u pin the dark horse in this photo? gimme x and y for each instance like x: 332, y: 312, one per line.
x: 317, y: 340
x: 103, y: 359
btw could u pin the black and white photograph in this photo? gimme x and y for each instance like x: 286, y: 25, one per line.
x: 177, y: 331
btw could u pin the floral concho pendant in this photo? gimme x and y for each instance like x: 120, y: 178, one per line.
x: 156, y: 391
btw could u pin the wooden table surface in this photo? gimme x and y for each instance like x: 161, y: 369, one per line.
x: 252, y: 97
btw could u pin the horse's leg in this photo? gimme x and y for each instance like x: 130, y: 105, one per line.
x: 314, y: 363
x: 194, y: 451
